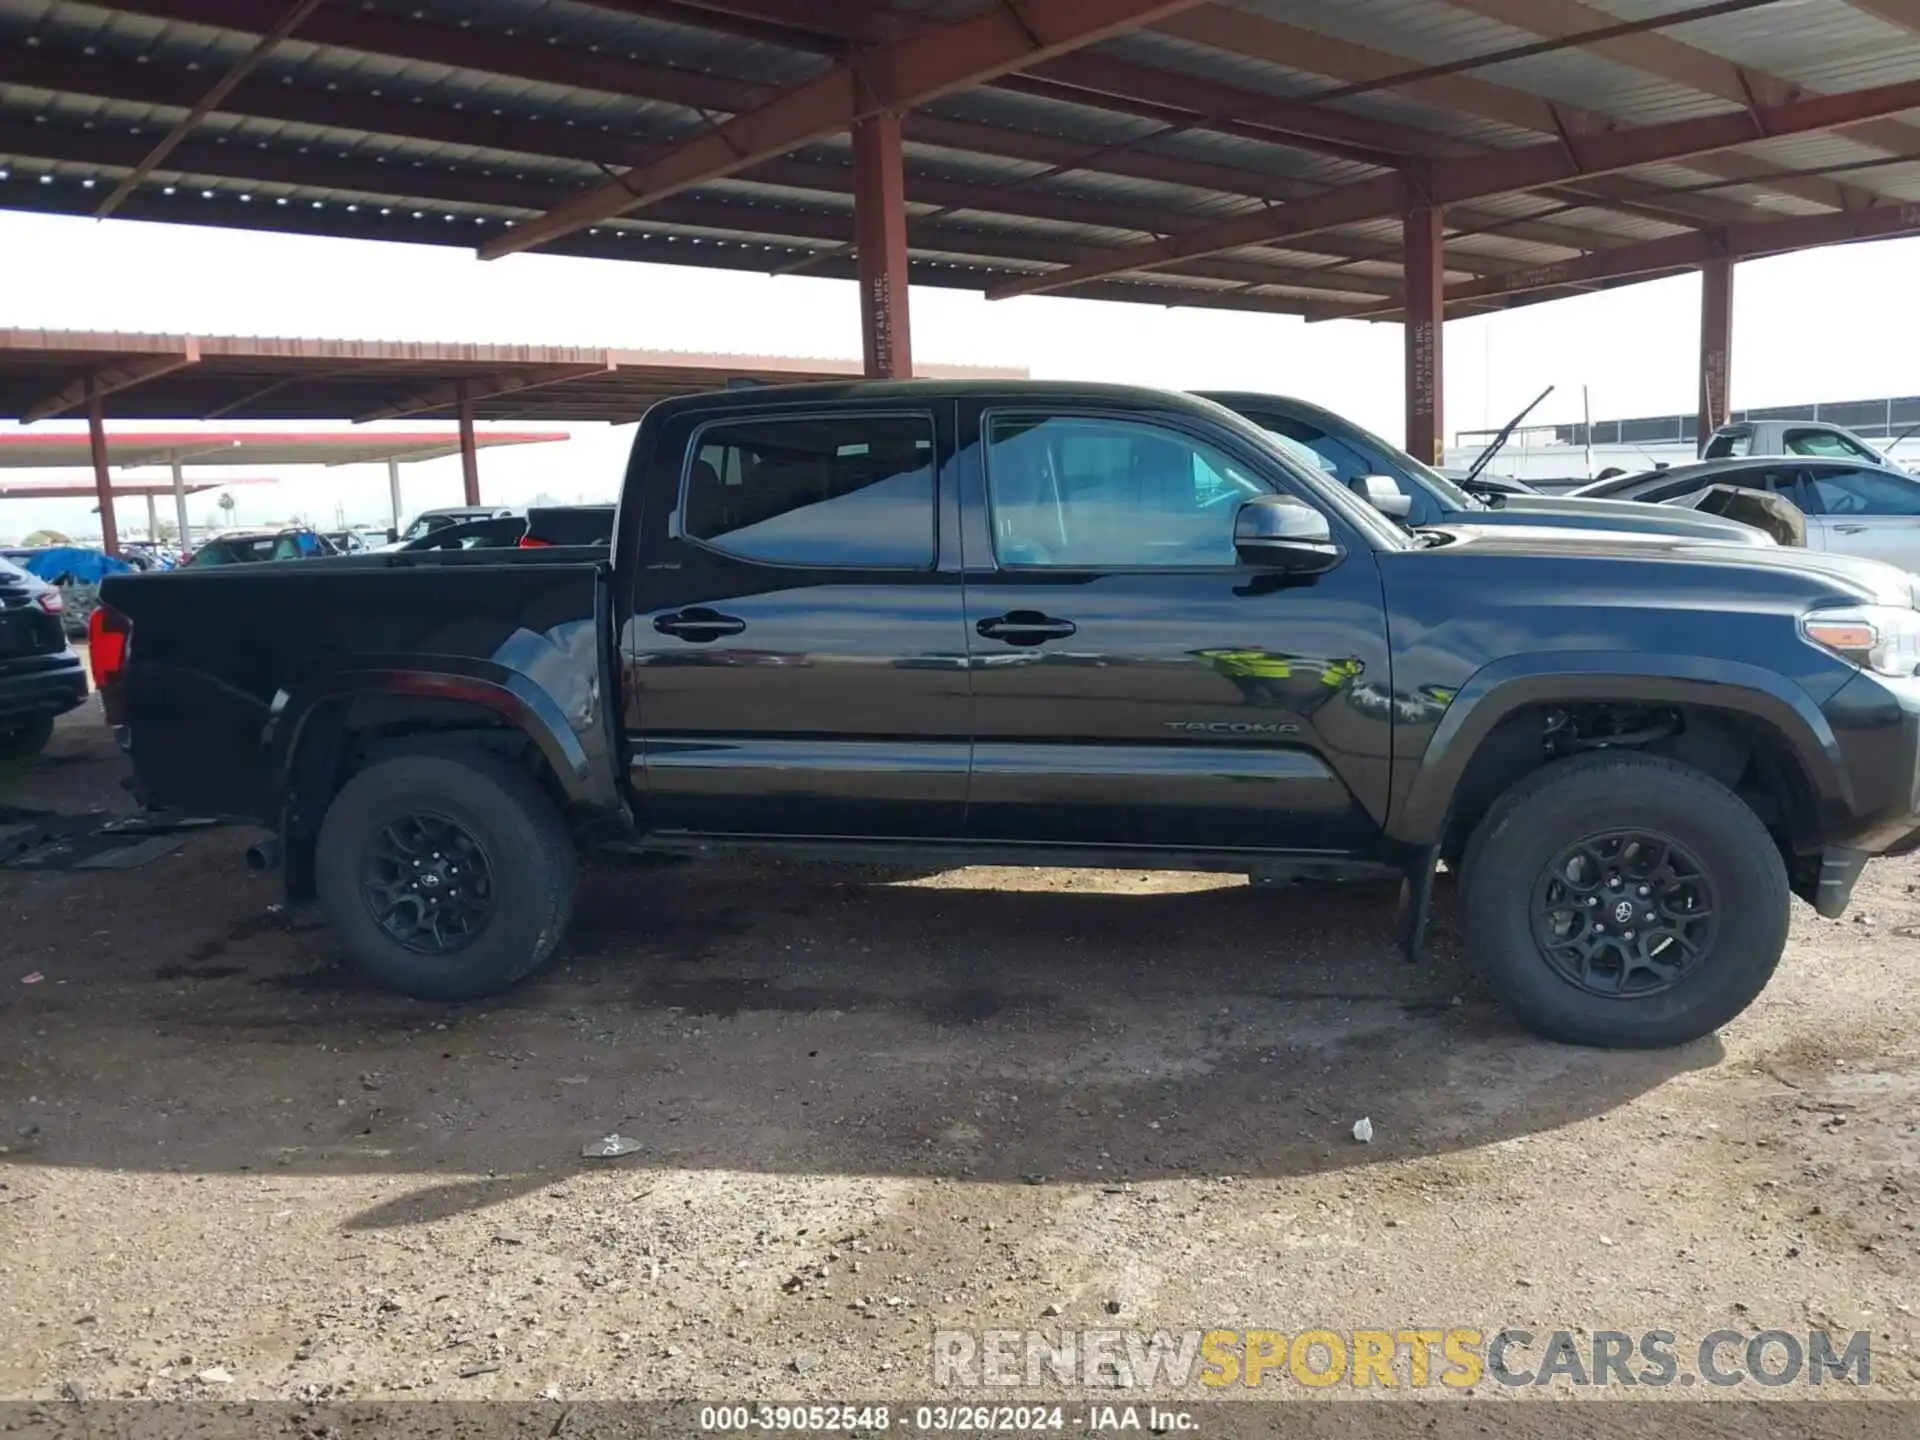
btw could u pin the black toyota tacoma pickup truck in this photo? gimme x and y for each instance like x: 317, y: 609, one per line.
x: 1035, y: 623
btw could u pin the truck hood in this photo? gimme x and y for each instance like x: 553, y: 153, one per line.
x: 1573, y: 513
x: 1871, y: 580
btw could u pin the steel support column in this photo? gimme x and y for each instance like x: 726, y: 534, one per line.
x: 102, y: 482
x: 393, y: 491
x: 180, y: 507
x: 1716, y: 346
x: 880, y: 233
x: 1426, y: 294
x: 469, y: 452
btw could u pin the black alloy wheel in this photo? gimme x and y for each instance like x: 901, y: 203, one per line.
x: 1625, y: 913
x: 427, y: 882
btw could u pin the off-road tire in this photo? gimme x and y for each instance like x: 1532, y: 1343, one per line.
x: 528, y: 850
x: 1561, y: 805
x: 21, y: 740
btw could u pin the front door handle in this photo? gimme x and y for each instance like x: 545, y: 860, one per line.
x: 1026, y: 627
x: 699, y: 624
x: 1848, y: 529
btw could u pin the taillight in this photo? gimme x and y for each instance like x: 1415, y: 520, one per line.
x: 107, y: 634
x: 527, y: 542
x: 50, y: 601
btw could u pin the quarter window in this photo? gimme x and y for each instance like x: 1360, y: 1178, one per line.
x: 832, y: 491
x: 1110, y: 494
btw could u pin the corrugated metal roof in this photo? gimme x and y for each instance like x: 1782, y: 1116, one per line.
x: 474, y: 113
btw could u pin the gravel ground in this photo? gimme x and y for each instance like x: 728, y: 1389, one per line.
x: 867, y: 1105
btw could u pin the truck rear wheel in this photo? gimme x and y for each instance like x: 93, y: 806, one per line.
x: 448, y: 878
x: 24, y: 739
x: 1624, y: 900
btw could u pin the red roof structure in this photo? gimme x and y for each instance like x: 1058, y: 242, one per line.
x: 1385, y: 159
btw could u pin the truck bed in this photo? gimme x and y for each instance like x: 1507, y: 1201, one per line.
x: 232, y: 662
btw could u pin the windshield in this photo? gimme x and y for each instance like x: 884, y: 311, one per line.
x: 1351, y: 452
x: 1448, y: 489
x: 1356, y: 512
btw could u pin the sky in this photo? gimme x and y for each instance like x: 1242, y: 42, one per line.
x: 1835, y: 324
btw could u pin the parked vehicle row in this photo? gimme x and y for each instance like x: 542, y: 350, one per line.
x: 1803, y: 439
x: 1353, y: 457
x: 40, y: 676
x: 1033, y: 623
x: 1851, y: 508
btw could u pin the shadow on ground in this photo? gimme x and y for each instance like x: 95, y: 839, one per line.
x: 770, y: 1018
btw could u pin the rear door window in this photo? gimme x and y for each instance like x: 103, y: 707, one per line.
x: 1729, y: 445
x: 832, y: 491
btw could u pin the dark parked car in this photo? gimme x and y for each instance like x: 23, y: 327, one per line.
x: 255, y: 549
x: 428, y: 521
x: 494, y: 533
x: 542, y: 525
x: 40, y: 676
x: 1350, y: 454
x: 1036, y: 623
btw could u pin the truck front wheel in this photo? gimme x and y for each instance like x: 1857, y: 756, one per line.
x: 447, y: 877
x: 1624, y: 900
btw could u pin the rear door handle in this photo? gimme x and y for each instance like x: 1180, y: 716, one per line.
x: 1848, y: 529
x: 1026, y: 627
x: 699, y: 624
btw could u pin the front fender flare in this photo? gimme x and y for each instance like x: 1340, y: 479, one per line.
x: 1503, y: 687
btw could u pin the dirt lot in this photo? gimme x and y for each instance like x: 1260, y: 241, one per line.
x: 869, y: 1105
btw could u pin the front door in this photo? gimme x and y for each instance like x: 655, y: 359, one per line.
x: 797, y: 658
x: 1133, y: 683
x: 1857, y: 511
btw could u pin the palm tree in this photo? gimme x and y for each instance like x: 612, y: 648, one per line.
x: 226, y: 507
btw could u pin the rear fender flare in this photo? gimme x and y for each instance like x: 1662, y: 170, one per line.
x: 1506, y: 686
x: 508, y: 693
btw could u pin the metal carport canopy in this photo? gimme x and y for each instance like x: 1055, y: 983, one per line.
x: 47, y: 374
x: 1320, y: 157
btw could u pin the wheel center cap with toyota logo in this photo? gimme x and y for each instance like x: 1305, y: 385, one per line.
x: 1623, y: 912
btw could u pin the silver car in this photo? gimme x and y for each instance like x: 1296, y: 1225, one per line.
x: 1852, y: 508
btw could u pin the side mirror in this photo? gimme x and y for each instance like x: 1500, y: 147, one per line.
x: 393, y: 535
x: 1278, y: 532
x: 1383, y: 493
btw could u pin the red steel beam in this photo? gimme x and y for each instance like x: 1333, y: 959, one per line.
x: 1666, y: 256
x: 208, y: 103
x: 102, y: 480
x: 1425, y: 233
x: 406, y: 186
x: 486, y: 387
x: 469, y: 451
x: 301, y: 104
x: 1671, y: 58
x: 107, y: 379
x: 1716, y: 346
x: 1904, y: 13
x: 1531, y: 168
x: 896, y: 75
x: 880, y: 231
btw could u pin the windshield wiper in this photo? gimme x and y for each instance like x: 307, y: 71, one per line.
x: 1506, y: 434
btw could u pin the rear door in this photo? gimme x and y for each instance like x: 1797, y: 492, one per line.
x: 797, y: 660
x: 1857, y: 511
x: 1134, y: 684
